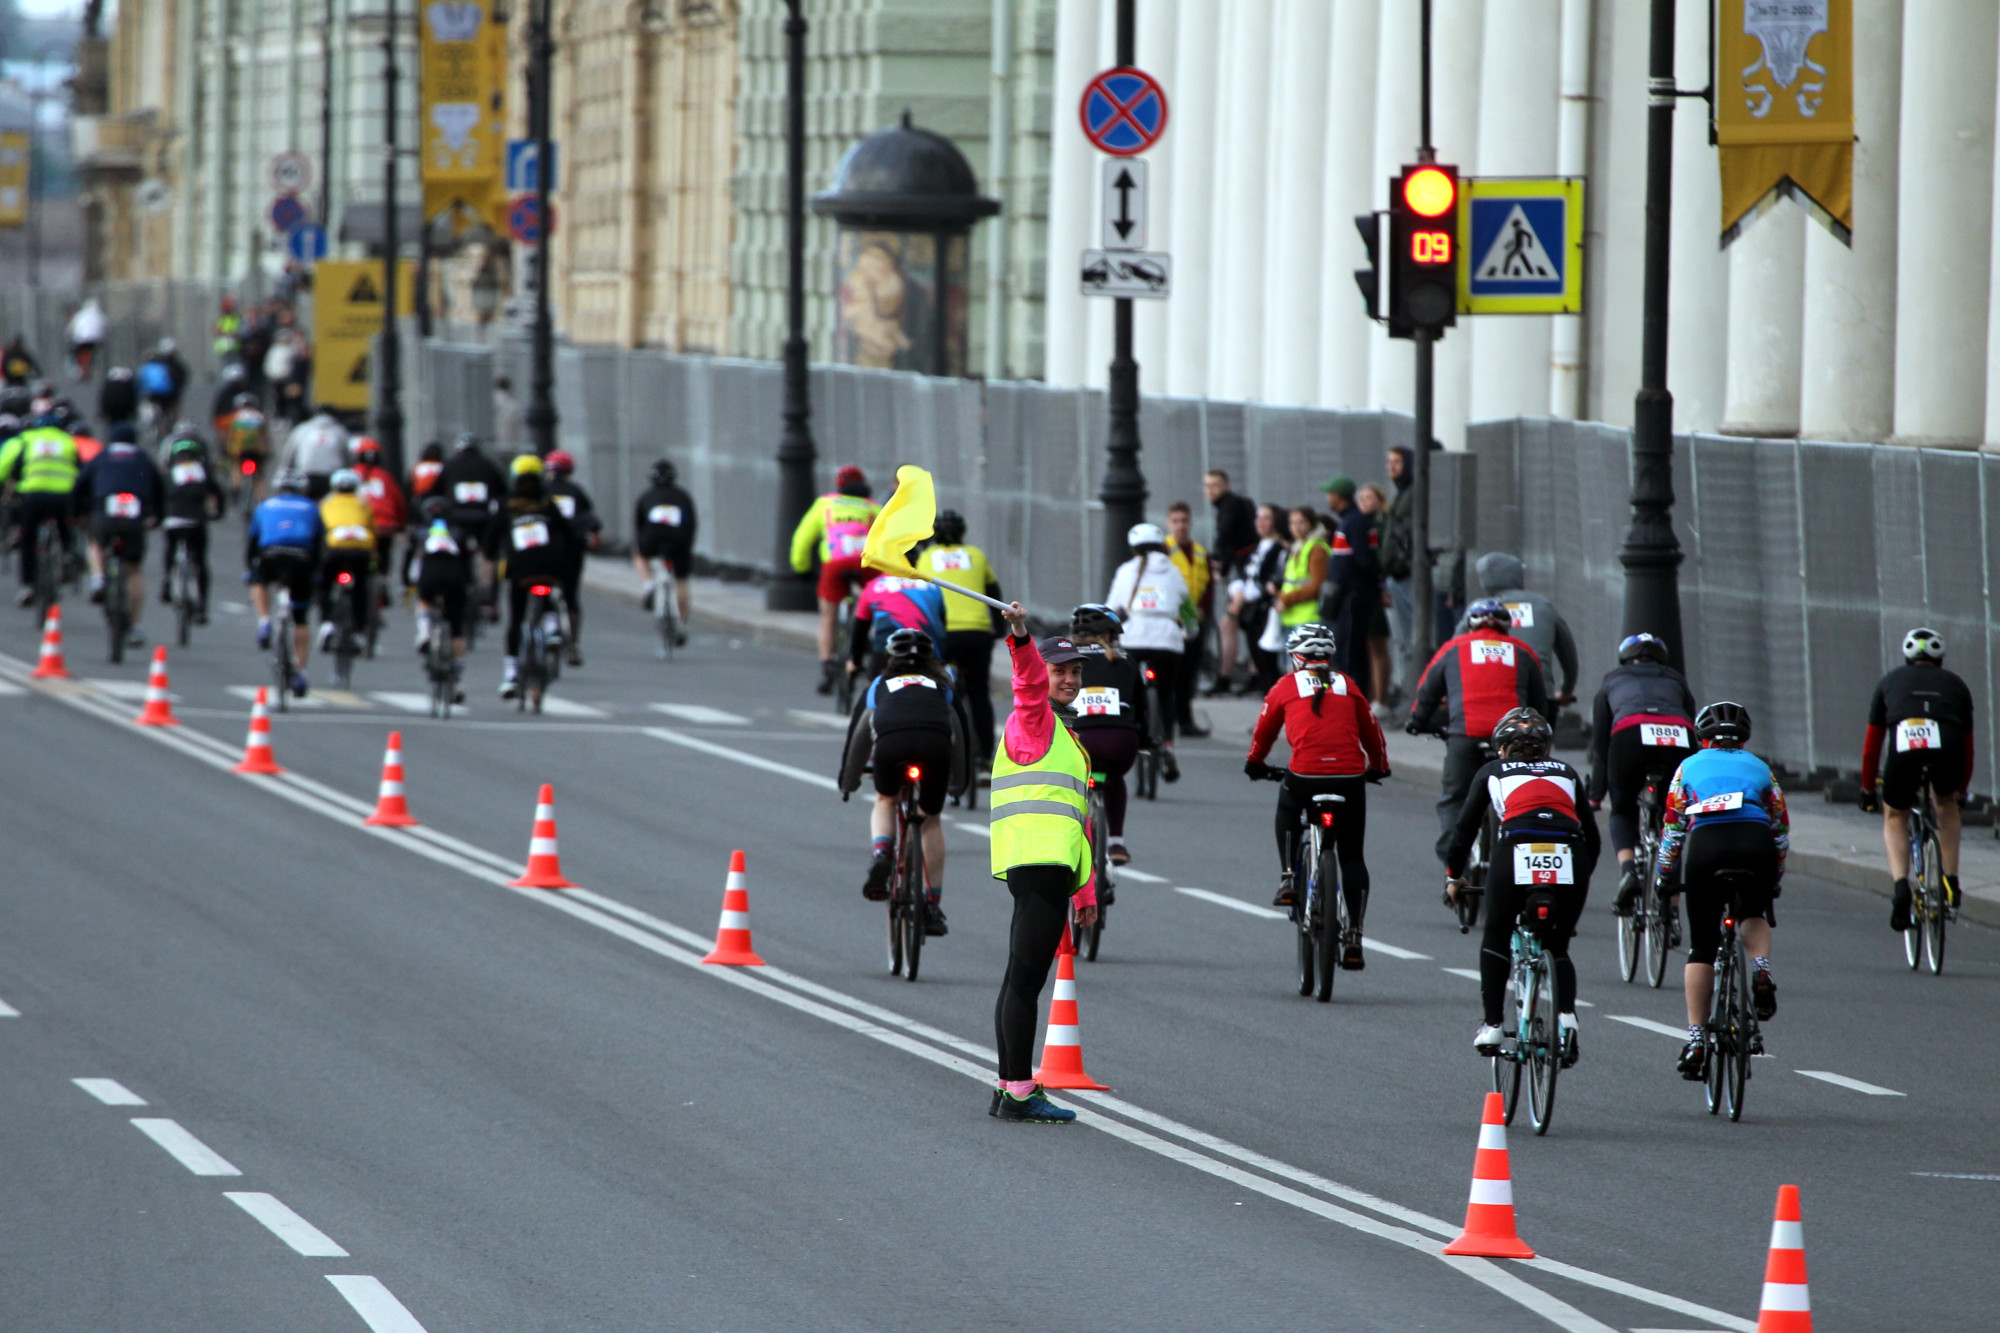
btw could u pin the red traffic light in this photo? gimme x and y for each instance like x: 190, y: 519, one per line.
x: 1429, y: 192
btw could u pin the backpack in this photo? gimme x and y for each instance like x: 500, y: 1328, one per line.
x: 155, y: 380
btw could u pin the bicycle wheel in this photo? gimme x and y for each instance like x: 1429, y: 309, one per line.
x: 1100, y: 865
x: 1631, y: 932
x: 1913, y: 938
x: 179, y: 580
x: 910, y: 892
x: 50, y: 555
x: 1659, y: 929
x: 1468, y: 908
x: 1736, y: 1070
x: 1716, y: 1037
x: 114, y: 605
x: 1302, y: 921
x: 342, y: 616
x: 281, y: 659
x: 1543, y: 1044
x: 1325, y: 891
x: 1507, y: 1065
x: 1939, y: 907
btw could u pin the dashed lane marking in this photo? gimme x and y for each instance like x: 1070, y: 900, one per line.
x: 409, y: 702
x: 375, y: 1303
x: 1955, y: 1175
x: 1851, y: 1084
x: 753, y: 760
x: 8, y: 691
x: 121, y: 689
x: 248, y: 693
x: 1468, y: 973
x: 185, y: 1148
x: 702, y: 714
x: 811, y: 719
x: 1664, y: 1029
x: 8, y: 1011
x: 1234, y: 904
x: 109, y: 1091
x: 556, y: 706
x: 1141, y: 876
x: 286, y: 1225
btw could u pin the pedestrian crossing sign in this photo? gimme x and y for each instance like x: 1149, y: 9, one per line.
x: 1522, y: 240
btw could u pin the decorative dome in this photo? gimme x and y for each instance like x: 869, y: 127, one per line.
x: 905, y: 178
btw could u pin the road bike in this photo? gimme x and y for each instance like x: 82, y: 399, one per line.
x: 665, y: 605
x: 541, y: 645
x: 243, y: 482
x: 1532, y: 1029
x: 1472, y: 884
x: 341, y: 614
x: 1930, y: 907
x: 440, y: 666
x: 1087, y: 938
x: 1146, y: 766
x: 906, y: 883
x: 184, y: 584
x: 1651, y: 924
x: 843, y: 678
x: 282, y: 621
x: 117, y: 594
x: 1319, y: 908
x: 52, y: 557
x: 1732, y: 1036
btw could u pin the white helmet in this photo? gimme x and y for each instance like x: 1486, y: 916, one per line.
x: 346, y: 480
x: 1923, y: 645
x: 1146, y: 534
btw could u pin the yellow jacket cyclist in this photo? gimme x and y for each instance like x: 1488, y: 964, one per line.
x: 40, y: 466
x: 835, y: 528
x: 969, y: 625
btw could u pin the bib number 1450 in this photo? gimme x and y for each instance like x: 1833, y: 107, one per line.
x: 1543, y: 863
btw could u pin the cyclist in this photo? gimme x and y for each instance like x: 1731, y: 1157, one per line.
x: 121, y: 491
x: 1727, y: 795
x: 234, y: 382
x: 385, y: 502
x: 194, y: 500
x: 969, y: 625
x: 282, y: 544
x: 837, y: 526
x: 118, y: 396
x: 1534, y: 796
x: 423, y: 478
x: 529, y: 542
x: 424, y: 472
x: 1475, y: 679
x: 1110, y: 719
x: 350, y: 550
x: 318, y: 447
x: 908, y: 719
x: 1040, y: 848
x: 38, y: 469
x: 475, y: 486
x: 663, y: 527
x: 86, y: 331
x: 1191, y: 558
x: 888, y: 603
x: 1930, y: 709
x: 1151, y: 599
x: 1641, y: 728
x: 443, y: 577
x: 585, y: 531
x: 1536, y: 622
x: 163, y: 377
x: 246, y: 437
x: 1337, y: 749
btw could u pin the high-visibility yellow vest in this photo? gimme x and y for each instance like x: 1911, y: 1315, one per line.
x: 1298, y: 568
x: 1039, y: 809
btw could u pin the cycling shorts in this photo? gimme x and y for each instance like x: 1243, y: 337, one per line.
x: 1736, y: 845
x: 290, y: 569
x: 678, y: 556
x: 1903, y: 769
x: 448, y: 600
x: 1629, y: 763
x: 125, y: 536
x: 929, y: 750
x: 837, y: 578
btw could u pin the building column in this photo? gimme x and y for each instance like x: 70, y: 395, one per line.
x: 1159, y: 48
x: 1848, y: 384
x: 1072, y: 192
x: 1566, y: 367
x: 1350, y: 186
x: 1390, y: 363
x: 1295, y: 252
x: 1241, y: 201
x: 1698, y: 282
x: 1190, y: 194
x: 1767, y: 277
x: 1946, y: 178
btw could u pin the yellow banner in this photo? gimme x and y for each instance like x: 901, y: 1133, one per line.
x: 347, y: 314
x: 462, y: 55
x: 1784, y: 109
x: 14, y: 178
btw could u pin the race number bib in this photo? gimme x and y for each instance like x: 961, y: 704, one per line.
x: 122, y: 505
x: 943, y: 560
x: 1543, y: 863
x: 1522, y: 614
x: 440, y: 543
x: 527, y: 536
x: 1659, y: 733
x: 1309, y: 684
x: 46, y: 448
x: 847, y: 545
x: 351, y: 534
x: 666, y: 516
x: 1099, y: 702
x: 469, y: 493
x: 189, y: 474
x: 1716, y: 805
x: 1489, y: 652
x: 1918, y: 733
x: 902, y: 682
x: 566, y: 503
x: 1148, y: 599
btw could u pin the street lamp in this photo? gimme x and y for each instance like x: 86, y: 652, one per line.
x: 389, y: 370
x: 540, y: 417
x: 788, y: 591
x: 36, y: 96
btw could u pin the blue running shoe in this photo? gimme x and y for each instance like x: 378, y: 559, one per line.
x: 1033, y: 1109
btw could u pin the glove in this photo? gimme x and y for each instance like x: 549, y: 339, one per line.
x: 1256, y: 770
x: 1871, y: 804
x: 1412, y: 728
x: 1374, y: 776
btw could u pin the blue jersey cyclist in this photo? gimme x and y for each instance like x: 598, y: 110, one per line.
x: 283, y: 542
x: 889, y: 603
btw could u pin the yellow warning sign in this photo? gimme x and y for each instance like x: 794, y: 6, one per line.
x: 13, y: 178
x: 347, y: 315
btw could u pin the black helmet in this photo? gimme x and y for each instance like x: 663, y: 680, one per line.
x: 1094, y: 618
x: 905, y: 644
x: 1523, y: 729
x: 949, y: 527
x: 1725, y: 723
x: 664, y: 473
x: 1642, y: 648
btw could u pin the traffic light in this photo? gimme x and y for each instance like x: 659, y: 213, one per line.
x: 1423, y: 249
x: 1369, y: 279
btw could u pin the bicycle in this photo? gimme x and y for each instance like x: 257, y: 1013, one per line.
x: 1731, y: 1036
x: 340, y: 614
x: 440, y: 667
x: 906, y: 885
x: 1146, y: 767
x: 185, y: 583
x: 1930, y: 908
x: 1472, y: 883
x: 541, y: 646
x: 117, y: 607
x: 52, y: 556
x: 1533, y: 1037
x: 1087, y: 938
x: 1652, y: 921
x: 666, y: 607
x: 1320, y: 908
x: 843, y: 679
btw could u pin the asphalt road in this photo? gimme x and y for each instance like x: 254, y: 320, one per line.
x: 528, y: 1110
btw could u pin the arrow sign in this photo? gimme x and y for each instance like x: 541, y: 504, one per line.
x: 1123, y: 204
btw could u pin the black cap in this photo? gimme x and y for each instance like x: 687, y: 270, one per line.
x: 1057, y: 649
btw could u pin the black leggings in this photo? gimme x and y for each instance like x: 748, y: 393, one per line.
x: 518, y: 592
x: 1112, y: 751
x: 970, y: 653
x: 1166, y: 667
x: 196, y: 541
x: 1350, y: 830
x: 1628, y: 764
x: 1503, y: 906
x: 1041, y: 909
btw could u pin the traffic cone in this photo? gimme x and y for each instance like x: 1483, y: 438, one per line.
x: 1062, y: 1044
x: 51, y: 666
x: 544, y: 865
x: 159, y: 709
x: 257, y: 750
x: 1489, y: 1217
x: 390, y: 807
x: 732, y: 935
x: 1785, y: 1307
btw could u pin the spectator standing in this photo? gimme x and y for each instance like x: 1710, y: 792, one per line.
x: 1373, y: 501
x: 1192, y: 560
x: 1236, y: 540
x: 1395, y: 555
x: 1353, y: 577
x: 507, y: 437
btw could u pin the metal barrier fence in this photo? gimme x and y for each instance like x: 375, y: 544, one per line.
x: 1806, y: 563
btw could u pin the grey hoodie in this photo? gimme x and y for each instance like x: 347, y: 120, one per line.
x: 1537, y: 623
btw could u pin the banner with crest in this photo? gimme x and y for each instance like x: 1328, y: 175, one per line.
x: 462, y: 71
x: 1784, y: 110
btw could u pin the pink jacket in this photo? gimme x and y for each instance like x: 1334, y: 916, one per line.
x: 1032, y: 725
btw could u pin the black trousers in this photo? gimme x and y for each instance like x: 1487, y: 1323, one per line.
x: 196, y: 541
x: 1627, y: 766
x: 970, y: 652
x: 1041, y: 910
x: 1350, y: 830
x: 1463, y: 758
x: 1503, y: 905
x: 31, y: 510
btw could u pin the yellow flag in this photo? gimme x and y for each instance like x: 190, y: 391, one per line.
x: 907, y: 519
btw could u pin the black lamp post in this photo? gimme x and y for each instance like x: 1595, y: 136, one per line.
x: 788, y: 591
x: 389, y: 374
x: 1124, y: 489
x: 540, y: 418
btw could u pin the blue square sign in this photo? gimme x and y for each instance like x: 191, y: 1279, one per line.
x: 1521, y: 243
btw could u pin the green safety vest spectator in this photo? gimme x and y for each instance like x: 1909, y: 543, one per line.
x: 1039, y: 809
x: 41, y: 461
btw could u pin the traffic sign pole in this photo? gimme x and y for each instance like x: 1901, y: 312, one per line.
x: 1423, y: 618
x: 1124, y: 489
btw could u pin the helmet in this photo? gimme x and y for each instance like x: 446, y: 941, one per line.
x: 244, y: 400
x: 1642, y: 648
x: 1486, y: 611
x: 850, y: 475
x: 1723, y: 723
x: 346, y: 480
x: 368, y: 450
x: 1142, y: 535
x: 1523, y: 729
x: 911, y: 643
x: 186, y: 444
x: 1923, y: 645
x: 435, y: 507
x: 663, y: 473
x: 234, y: 371
x: 62, y: 413
x: 464, y: 440
x: 949, y: 527
x: 1311, y: 643
x: 1095, y: 618
x: 166, y: 347
x: 291, y: 479
x: 560, y: 462
x: 525, y: 465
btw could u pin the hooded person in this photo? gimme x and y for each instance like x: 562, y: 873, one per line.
x: 1537, y: 623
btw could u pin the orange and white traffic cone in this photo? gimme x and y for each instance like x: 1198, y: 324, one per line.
x: 51, y: 666
x: 732, y: 935
x: 1785, y: 1307
x: 1062, y: 1042
x: 159, y: 709
x: 1489, y: 1217
x: 257, y: 749
x: 544, y: 864
x: 390, y: 807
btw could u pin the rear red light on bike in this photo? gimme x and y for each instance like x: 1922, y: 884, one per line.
x: 1729, y: 923
x: 346, y: 578
x: 1091, y: 782
x: 1326, y: 819
x: 913, y: 773
x: 249, y: 467
x: 1150, y: 677
x: 539, y: 590
x: 1541, y: 911
x: 127, y: 498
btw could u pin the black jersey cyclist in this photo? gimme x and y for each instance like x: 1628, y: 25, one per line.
x: 1919, y: 730
x: 1642, y: 726
x: 663, y: 528
x: 908, y: 720
x: 442, y: 572
x: 529, y: 542
x: 1111, y: 719
x: 1548, y: 843
x: 584, y: 527
x: 194, y: 500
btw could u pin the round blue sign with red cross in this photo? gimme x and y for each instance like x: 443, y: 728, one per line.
x: 1124, y: 111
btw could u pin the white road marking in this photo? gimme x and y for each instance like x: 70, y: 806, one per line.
x: 1664, y: 1029
x: 409, y: 701
x: 1676, y: 1330
x: 185, y: 1148
x: 286, y: 1225
x: 248, y: 693
x: 338, y: 698
x: 754, y: 761
x: 701, y: 713
x: 555, y: 706
x: 811, y: 719
x: 1852, y: 1084
x: 986, y: 831
x: 120, y: 689
x: 1235, y: 904
x: 1466, y: 972
x: 1394, y: 952
x: 235, y: 608
x: 8, y: 690
x: 1955, y: 1175
x: 1141, y: 877
x: 8, y: 1011
x: 109, y: 1091
x: 375, y: 1303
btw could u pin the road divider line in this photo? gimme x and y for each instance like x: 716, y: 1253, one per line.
x: 740, y: 757
x: 829, y: 720
x: 986, y: 831
x: 702, y: 714
x: 1647, y: 1024
x: 8, y: 1011
x: 185, y: 1148
x: 109, y: 1091
x: 1955, y: 1175
x: 375, y: 1303
x: 1140, y: 876
x: 1234, y: 904
x: 1851, y: 1084
x: 1409, y: 955
x: 286, y: 1225
x: 1468, y: 973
